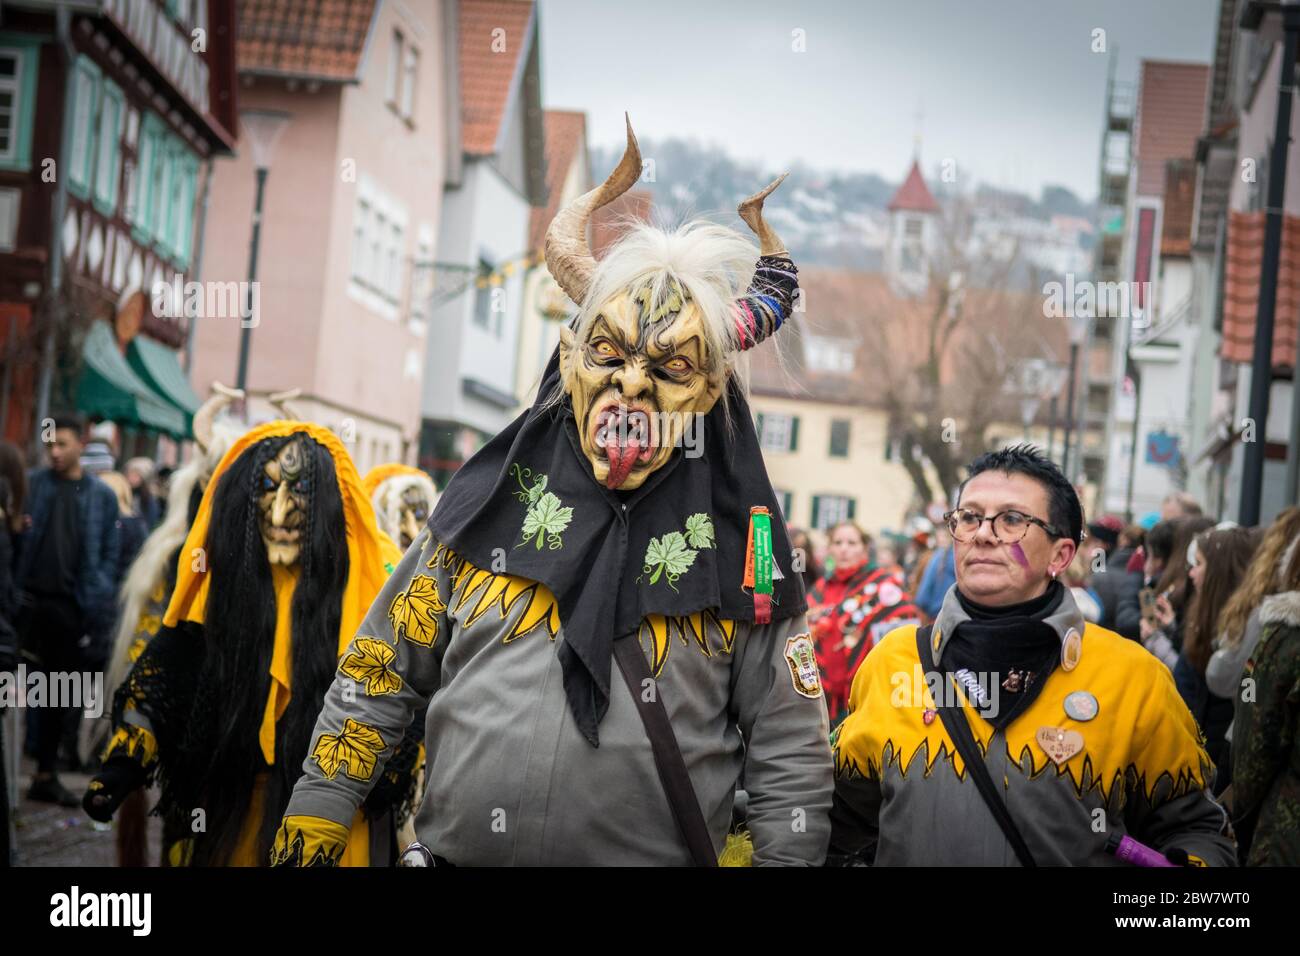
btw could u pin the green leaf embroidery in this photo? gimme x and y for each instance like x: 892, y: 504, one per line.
x: 668, y: 556
x: 528, y: 493
x: 699, y: 530
x: 546, y: 518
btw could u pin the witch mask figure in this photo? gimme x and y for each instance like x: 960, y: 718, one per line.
x: 281, y: 561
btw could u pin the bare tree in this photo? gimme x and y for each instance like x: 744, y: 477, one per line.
x: 943, y: 359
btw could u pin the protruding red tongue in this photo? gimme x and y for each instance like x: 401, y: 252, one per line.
x: 621, y: 458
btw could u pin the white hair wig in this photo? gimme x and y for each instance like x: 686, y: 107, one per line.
x: 149, y: 570
x: 387, y: 500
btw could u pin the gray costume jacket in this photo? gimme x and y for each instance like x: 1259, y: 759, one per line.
x: 510, y: 780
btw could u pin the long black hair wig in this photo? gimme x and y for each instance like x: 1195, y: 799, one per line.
x: 222, y: 755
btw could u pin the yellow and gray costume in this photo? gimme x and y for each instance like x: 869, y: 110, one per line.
x: 511, y: 780
x: 903, y: 796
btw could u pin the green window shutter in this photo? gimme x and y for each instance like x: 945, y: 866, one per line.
x: 794, y: 432
x: 108, y: 153
x: 165, y: 171
x: 21, y: 56
x: 187, y: 218
x: 758, y: 427
x: 839, y: 438
x: 853, y: 507
x: 816, y: 511
x: 79, y: 126
x: 148, y: 157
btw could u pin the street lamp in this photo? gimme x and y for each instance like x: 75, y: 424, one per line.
x: 262, y: 129
x: 1274, y: 22
x: 1078, y: 330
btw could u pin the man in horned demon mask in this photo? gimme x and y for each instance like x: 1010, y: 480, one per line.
x: 624, y: 522
x: 279, y: 565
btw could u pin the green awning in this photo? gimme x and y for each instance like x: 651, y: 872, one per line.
x: 157, y: 367
x: 109, y: 389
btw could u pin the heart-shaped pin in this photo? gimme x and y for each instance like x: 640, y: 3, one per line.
x: 1059, y: 744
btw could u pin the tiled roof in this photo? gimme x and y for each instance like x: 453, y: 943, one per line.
x: 609, y: 223
x: 314, y: 38
x: 1180, y: 197
x: 914, y: 194
x: 1170, y: 118
x: 1241, y: 289
x: 566, y: 140
x: 494, y: 38
x: 888, y: 336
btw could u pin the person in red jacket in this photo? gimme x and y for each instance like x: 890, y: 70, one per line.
x: 851, y: 608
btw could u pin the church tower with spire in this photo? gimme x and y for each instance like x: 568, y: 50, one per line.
x: 913, y: 235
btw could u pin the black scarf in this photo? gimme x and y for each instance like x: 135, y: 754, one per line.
x: 595, y: 563
x: 1013, y: 644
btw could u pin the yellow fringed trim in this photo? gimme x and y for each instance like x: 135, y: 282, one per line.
x: 739, y: 850
x: 309, y: 841
x: 135, y: 742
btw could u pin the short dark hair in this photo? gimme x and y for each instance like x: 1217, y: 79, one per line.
x: 74, y: 421
x: 1063, y: 508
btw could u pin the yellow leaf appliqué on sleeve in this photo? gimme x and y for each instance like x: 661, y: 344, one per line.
x: 415, y: 611
x: 355, y: 748
x: 368, y: 662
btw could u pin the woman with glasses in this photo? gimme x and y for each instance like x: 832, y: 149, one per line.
x: 1012, y: 730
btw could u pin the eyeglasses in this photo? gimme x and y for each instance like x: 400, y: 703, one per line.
x: 1008, y: 526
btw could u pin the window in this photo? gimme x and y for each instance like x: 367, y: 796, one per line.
x: 378, y: 249
x: 81, y: 126
x: 184, y: 237
x: 393, y: 284
x: 421, y: 279
x: 839, y: 438
x: 17, y: 102
x: 9, y: 202
x: 140, y: 195
x: 786, y: 500
x: 830, y: 510
x: 108, y: 167
x: 159, y: 177
x: 778, y: 432
x: 483, y: 295
x: 828, y: 354
x: 394, y: 68
x: 360, y: 249
x: 378, y: 230
x: 410, y: 70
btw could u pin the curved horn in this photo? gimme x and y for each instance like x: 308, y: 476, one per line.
x: 221, y: 397
x: 770, y: 298
x: 568, y: 257
x: 281, y: 401
x: 751, y: 210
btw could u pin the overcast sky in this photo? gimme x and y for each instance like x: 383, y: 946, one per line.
x: 1009, y: 89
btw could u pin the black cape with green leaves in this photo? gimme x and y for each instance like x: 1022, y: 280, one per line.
x: 674, y: 546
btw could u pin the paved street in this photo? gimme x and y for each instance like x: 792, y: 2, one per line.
x: 49, y: 835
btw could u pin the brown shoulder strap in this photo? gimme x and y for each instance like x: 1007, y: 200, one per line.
x: 668, y: 755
